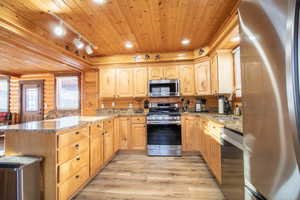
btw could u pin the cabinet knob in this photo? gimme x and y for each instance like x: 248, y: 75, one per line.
x: 77, y: 146
x: 78, y: 158
x: 77, y: 176
x: 77, y: 132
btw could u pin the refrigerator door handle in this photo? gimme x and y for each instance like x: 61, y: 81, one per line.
x: 293, y: 73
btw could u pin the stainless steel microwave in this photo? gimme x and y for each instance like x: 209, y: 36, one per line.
x: 164, y: 88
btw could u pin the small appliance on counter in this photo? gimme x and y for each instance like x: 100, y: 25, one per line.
x: 201, y: 105
x: 224, y: 106
x: 221, y: 105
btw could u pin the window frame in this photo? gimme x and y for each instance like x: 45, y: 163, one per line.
x: 7, y: 78
x: 57, y: 75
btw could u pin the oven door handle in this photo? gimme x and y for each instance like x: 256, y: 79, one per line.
x: 163, y: 123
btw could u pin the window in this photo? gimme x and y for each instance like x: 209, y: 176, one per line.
x: 4, y: 95
x: 67, y: 95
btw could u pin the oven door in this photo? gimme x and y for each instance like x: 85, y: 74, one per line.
x: 164, y: 88
x: 164, y: 139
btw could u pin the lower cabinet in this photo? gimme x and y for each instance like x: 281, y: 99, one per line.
x: 201, y: 134
x: 190, y: 133
x: 138, y: 136
x: 210, y: 146
x: 116, y: 135
x: 96, y: 147
x: 108, y: 138
x: 124, y: 131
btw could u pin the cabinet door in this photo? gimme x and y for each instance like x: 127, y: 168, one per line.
x: 140, y: 82
x: 171, y: 72
x: 107, y: 82
x: 214, y: 75
x: 238, y: 73
x: 191, y: 134
x: 124, y: 82
x: 108, y: 145
x: 187, y: 80
x: 155, y: 73
x: 116, y: 135
x: 216, y: 159
x: 96, y: 155
x: 138, y: 136
x: 202, y: 78
x: 125, y: 129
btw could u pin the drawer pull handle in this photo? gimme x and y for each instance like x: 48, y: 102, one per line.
x: 77, y: 132
x: 78, y: 158
x: 77, y: 176
x: 77, y: 146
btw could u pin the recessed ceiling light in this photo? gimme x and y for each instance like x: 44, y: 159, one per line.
x: 99, y: 1
x: 235, y: 39
x: 128, y: 45
x: 185, y: 42
x: 59, y: 30
x: 78, y: 43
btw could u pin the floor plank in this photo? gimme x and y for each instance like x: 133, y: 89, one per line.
x: 139, y: 177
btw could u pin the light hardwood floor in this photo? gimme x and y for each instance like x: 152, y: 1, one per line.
x: 138, y: 177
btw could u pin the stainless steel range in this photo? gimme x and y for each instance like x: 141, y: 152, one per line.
x: 164, y: 129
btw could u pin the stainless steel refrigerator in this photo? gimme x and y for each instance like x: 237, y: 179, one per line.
x: 269, y: 32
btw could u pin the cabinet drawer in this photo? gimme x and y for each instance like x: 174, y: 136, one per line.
x: 70, y: 167
x: 96, y: 129
x: 70, y: 186
x: 72, y: 136
x: 138, y: 120
x: 71, y: 151
x: 108, y: 124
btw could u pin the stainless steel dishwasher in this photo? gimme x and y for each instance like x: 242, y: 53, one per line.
x: 20, y: 178
x: 232, y: 165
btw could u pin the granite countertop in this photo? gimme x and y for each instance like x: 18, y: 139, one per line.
x: 54, y: 125
x: 232, y: 122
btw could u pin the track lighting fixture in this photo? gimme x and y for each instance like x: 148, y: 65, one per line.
x: 78, y: 43
x: 89, y: 49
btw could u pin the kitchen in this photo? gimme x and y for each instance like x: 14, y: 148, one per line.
x: 183, y: 99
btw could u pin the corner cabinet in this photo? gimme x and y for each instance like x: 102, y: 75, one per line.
x: 140, y: 77
x: 107, y: 82
x: 124, y: 82
x: 187, y: 80
x: 202, y: 78
x: 222, y: 72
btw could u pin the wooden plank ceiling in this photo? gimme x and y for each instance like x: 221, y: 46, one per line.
x: 151, y: 25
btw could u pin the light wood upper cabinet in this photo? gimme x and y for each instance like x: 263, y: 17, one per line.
x: 156, y: 73
x: 124, y: 82
x: 238, y: 72
x: 163, y: 72
x: 138, y: 136
x: 187, y: 80
x: 171, y: 72
x: 107, y: 82
x: 202, y: 78
x: 125, y: 129
x: 222, y: 72
x: 140, y: 77
x: 214, y: 75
